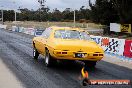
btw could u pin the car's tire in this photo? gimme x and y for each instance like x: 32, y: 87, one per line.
x: 91, y: 64
x: 35, y: 53
x: 49, y: 61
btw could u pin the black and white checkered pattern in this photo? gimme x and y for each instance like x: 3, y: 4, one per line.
x: 113, y: 46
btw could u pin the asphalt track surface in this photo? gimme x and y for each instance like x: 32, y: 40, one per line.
x: 16, y: 52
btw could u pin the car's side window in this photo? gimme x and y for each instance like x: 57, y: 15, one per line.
x: 47, y: 33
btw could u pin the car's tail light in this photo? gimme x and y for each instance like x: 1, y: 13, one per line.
x: 64, y: 52
x: 58, y: 53
x: 95, y: 54
x: 101, y: 55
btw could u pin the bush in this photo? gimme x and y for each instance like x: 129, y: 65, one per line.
x: 89, y: 21
x: 82, y: 21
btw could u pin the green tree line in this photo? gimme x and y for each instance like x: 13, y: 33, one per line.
x: 44, y: 14
x: 102, y: 11
x: 107, y: 11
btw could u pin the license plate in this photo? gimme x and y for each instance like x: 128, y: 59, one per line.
x: 79, y: 55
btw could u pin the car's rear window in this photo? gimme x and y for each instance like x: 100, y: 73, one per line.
x: 71, y: 34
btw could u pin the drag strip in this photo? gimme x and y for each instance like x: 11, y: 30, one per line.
x: 16, y: 53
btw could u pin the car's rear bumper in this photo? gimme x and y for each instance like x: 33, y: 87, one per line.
x: 91, y: 56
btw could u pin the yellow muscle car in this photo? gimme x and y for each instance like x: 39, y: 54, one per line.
x: 66, y: 43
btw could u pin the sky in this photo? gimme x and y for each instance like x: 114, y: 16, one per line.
x: 33, y: 4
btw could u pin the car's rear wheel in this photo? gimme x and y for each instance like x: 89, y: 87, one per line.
x: 49, y: 61
x: 90, y: 63
x: 35, y: 53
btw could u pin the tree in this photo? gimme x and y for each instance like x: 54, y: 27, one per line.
x: 106, y: 11
x: 124, y: 10
x: 103, y: 12
x: 56, y: 15
x: 8, y: 15
x: 44, y: 14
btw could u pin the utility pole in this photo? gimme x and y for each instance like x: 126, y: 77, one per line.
x: 42, y: 4
x: 74, y: 18
x: 15, y: 15
x: 2, y: 16
x: 15, y: 10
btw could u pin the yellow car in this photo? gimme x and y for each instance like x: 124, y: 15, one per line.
x: 66, y: 43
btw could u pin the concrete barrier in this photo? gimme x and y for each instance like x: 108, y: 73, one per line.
x: 38, y: 32
x: 3, y: 26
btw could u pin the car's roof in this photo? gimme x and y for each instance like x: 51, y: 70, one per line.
x: 66, y: 28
